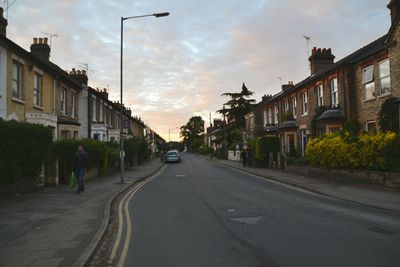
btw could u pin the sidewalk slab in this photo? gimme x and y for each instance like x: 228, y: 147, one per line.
x: 381, y: 198
x: 56, y: 226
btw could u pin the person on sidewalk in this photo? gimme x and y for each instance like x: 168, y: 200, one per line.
x: 80, y: 165
x: 243, y: 157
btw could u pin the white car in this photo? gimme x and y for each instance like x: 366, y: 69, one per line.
x: 173, y: 156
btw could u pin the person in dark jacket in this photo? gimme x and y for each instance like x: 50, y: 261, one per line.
x: 243, y: 157
x: 80, y: 165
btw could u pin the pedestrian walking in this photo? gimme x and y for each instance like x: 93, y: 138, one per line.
x: 249, y: 157
x: 80, y: 165
x: 243, y: 156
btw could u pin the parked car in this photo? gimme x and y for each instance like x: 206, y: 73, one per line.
x: 173, y: 156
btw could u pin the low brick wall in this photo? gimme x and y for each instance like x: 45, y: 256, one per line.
x: 387, y: 179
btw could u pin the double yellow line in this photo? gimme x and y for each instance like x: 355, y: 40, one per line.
x: 123, y: 210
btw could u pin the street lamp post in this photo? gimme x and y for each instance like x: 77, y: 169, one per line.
x: 121, y: 140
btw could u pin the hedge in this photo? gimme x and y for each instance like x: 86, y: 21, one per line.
x: 23, y: 149
x: 265, y: 145
x: 101, y: 155
x: 379, y: 151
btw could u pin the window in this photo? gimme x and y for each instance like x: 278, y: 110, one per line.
x: 320, y: 95
x: 368, y: 83
x: 384, y: 76
x: 370, y: 126
x: 63, y: 101
x: 101, y: 111
x: 64, y: 135
x: 93, y: 109
x: 265, y: 113
x: 74, y: 106
x: 37, y: 89
x: 294, y: 106
x: 111, y: 121
x: 286, y: 106
x: 276, y: 113
x: 76, y: 134
x: 304, y: 99
x: 17, y: 80
x: 270, y: 116
x: 334, y: 92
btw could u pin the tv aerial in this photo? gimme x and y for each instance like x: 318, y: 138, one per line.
x: 51, y: 36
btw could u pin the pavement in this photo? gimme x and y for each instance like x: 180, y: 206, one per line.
x: 368, y: 195
x: 57, y: 227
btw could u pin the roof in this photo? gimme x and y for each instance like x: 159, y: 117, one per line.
x: 287, y: 125
x: 362, y: 53
x: 270, y: 128
x: 48, y: 65
x: 331, y: 114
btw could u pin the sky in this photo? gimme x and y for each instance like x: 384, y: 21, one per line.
x: 178, y: 66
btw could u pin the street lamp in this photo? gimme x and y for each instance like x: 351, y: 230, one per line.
x: 121, y: 140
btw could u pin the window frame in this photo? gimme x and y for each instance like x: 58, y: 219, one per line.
x: 294, y: 106
x: 17, y: 91
x: 37, y: 89
x: 304, y: 100
x: 334, y: 86
x: 320, y: 95
x: 63, y: 101
x: 388, y: 91
x: 368, y: 83
x: 74, y: 106
x: 276, y: 114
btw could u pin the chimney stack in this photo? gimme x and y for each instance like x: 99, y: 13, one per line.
x: 104, y: 93
x: 320, y: 59
x: 79, y: 75
x: 287, y: 86
x: 3, y: 23
x: 40, y: 48
x: 394, y: 7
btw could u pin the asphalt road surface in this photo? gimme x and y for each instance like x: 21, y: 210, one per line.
x: 199, y: 213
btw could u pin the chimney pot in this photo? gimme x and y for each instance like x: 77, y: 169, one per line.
x: 40, y: 40
x: 84, y: 72
x: 45, y: 40
x: 78, y: 72
x: 34, y: 40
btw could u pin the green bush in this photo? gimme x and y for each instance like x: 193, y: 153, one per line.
x: 378, y: 151
x: 101, y: 155
x: 23, y: 149
x: 136, y: 149
x: 331, y: 151
x: 265, y: 145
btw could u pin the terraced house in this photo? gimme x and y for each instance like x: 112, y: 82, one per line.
x: 35, y: 90
x: 353, y: 88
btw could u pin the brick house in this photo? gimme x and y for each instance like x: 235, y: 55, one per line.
x: 354, y: 87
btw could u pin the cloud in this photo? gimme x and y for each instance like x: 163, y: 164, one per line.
x: 177, y: 65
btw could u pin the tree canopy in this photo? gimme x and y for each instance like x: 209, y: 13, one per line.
x: 193, y: 129
x: 238, y: 106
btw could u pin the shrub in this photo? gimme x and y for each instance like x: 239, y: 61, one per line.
x: 331, y: 151
x: 373, y: 149
x: 264, y: 145
x: 23, y: 149
x: 379, y: 151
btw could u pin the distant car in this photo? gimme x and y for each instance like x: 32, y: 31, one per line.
x: 173, y: 156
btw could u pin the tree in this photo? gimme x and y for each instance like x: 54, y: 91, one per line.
x: 193, y: 130
x: 238, y: 106
x: 389, y: 115
x: 234, y: 110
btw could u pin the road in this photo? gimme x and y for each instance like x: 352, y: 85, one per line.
x: 198, y: 213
